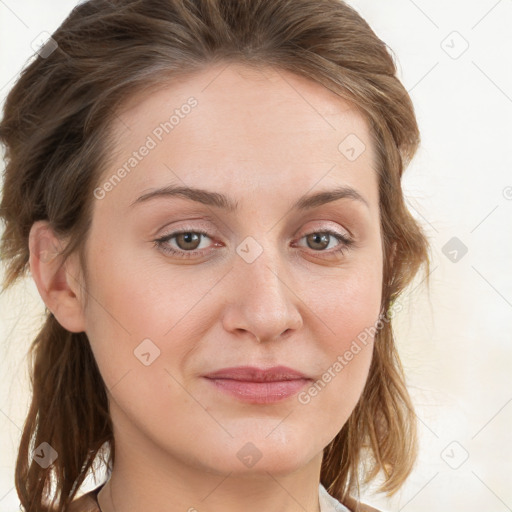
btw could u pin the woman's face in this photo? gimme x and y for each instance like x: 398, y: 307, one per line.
x: 268, y: 282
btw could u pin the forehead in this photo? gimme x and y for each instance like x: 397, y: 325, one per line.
x: 231, y: 124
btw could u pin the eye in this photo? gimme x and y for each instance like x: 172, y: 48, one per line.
x: 187, y: 242
x: 321, y: 240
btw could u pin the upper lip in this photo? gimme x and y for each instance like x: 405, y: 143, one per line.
x: 255, y: 374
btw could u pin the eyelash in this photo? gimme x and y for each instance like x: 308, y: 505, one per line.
x: 161, y: 243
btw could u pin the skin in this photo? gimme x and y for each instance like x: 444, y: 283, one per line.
x: 264, y: 138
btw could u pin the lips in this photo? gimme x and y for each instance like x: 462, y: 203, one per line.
x: 254, y: 374
x: 258, y: 385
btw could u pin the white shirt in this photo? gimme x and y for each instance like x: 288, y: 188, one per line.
x: 328, y: 503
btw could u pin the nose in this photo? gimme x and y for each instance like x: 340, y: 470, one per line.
x: 261, y: 299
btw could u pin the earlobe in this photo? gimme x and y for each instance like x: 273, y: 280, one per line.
x: 56, y: 280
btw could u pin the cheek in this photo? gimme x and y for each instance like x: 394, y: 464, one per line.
x: 140, y: 312
x: 331, y: 398
x: 349, y: 307
x: 348, y: 302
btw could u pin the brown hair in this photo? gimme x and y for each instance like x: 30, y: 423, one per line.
x: 56, y: 133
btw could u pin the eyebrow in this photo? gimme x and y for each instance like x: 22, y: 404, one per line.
x: 221, y: 201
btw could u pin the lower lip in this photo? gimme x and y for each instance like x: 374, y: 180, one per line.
x: 260, y: 392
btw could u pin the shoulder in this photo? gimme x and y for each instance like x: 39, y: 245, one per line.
x: 85, y: 503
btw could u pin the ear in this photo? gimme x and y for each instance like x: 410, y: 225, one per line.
x: 57, y: 281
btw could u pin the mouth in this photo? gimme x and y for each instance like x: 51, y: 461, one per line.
x: 257, y: 385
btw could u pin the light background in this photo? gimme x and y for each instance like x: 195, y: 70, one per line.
x: 456, y: 342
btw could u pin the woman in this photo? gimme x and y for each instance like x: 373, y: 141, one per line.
x: 207, y: 194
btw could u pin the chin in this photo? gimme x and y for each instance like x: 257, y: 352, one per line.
x: 257, y: 455
x: 276, y: 466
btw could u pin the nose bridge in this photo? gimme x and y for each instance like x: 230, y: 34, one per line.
x: 264, y: 277
x: 264, y: 303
